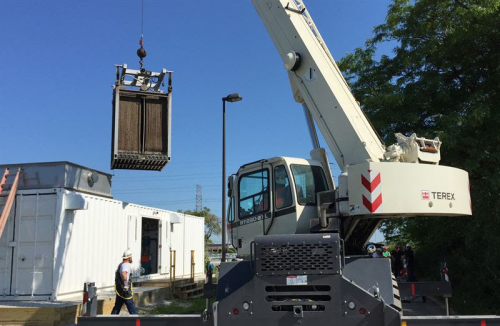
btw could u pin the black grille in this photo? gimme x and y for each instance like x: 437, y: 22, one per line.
x: 309, y: 297
x: 139, y: 162
x: 297, y: 255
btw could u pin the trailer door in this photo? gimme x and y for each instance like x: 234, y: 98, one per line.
x: 6, y: 249
x: 160, y: 247
x: 33, y: 245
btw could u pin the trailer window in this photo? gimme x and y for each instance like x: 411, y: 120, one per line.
x: 309, y: 180
x: 253, y: 193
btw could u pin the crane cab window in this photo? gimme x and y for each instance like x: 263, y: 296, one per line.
x: 282, y: 191
x: 309, y: 180
x: 253, y: 193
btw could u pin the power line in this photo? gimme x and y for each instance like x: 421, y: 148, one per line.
x: 169, y: 176
x: 173, y: 177
x: 183, y: 201
x: 149, y: 190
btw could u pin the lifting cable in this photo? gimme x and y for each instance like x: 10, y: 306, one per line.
x: 141, y: 52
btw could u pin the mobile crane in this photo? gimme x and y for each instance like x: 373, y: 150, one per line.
x: 303, y: 254
x: 297, y: 247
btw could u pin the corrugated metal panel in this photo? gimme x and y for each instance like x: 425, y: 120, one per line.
x: 65, y: 248
x: 34, y: 254
x: 177, y: 243
x: 6, y: 251
x: 93, y: 241
x: 195, y: 240
x: 189, y: 235
x: 26, y: 247
x: 90, y: 244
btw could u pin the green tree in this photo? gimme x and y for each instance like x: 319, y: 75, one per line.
x: 212, y: 222
x: 443, y: 79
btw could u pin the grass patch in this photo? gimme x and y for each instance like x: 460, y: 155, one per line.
x: 196, y: 307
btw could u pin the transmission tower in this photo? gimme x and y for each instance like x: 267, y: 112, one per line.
x: 199, y: 198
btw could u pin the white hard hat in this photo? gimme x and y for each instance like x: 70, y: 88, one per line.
x: 127, y: 254
x: 408, y: 244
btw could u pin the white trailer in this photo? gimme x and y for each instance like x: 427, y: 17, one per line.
x: 66, y: 229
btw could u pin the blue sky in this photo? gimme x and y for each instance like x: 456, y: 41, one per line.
x: 58, y: 59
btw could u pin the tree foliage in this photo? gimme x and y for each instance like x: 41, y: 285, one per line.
x: 443, y: 80
x: 212, y: 222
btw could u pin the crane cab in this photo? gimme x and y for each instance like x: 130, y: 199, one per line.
x: 273, y: 196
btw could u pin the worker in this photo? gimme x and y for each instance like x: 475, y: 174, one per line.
x: 410, y: 262
x: 396, y: 260
x: 410, y: 266
x: 371, y: 250
x: 123, y: 285
x: 282, y: 192
x: 386, y: 252
x: 283, y: 195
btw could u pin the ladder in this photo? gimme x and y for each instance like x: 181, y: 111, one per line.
x: 10, y: 198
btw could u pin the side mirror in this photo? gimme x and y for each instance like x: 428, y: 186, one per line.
x: 230, y: 181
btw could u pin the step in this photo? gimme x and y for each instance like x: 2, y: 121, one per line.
x: 196, y: 296
x: 188, y: 294
x: 186, y: 286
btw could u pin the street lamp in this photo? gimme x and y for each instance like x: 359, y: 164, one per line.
x: 230, y: 98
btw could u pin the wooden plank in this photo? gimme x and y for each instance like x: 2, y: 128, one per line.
x: 40, y: 315
x: 26, y: 314
x: 156, y: 133
x: 105, y: 306
x: 69, y: 318
x: 129, y: 125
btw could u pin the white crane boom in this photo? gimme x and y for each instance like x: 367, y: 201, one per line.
x: 318, y: 84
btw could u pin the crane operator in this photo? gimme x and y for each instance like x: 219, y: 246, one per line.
x: 282, y: 191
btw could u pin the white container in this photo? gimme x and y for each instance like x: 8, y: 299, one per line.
x: 57, y: 239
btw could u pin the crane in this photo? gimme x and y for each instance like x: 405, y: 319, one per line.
x: 296, y: 229
x: 376, y: 182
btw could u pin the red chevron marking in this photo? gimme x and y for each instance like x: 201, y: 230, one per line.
x: 370, y: 186
x: 372, y: 207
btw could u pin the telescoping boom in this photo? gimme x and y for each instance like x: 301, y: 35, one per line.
x: 318, y: 84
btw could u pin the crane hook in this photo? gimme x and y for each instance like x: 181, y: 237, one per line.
x: 141, y: 53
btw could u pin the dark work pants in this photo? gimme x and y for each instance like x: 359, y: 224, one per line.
x: 119, y: 303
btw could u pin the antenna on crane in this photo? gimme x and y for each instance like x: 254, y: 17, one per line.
x: 141, y: 52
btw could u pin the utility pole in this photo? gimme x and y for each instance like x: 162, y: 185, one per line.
x: 199, y: 198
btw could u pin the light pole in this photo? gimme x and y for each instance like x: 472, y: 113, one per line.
x: 230, y: 98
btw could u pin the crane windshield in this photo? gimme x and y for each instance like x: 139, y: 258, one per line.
x: 309, y: 180
x: 254, y: 193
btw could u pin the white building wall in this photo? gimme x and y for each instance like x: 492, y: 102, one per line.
x: 194, y: 237
x: 188, y: 235
x: 89, y: 245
